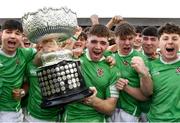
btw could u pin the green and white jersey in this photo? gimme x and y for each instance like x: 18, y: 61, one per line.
x: 126, y: 102
x: 165, y: 106
x: 100, y: 75
x: 35, y: 97
x: 11, y: 76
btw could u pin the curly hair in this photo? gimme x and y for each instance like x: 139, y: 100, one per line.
x: 169, y: 28
x: 99, y: 30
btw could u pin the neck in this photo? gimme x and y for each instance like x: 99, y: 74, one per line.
x: 138, y: 48
x: 10, y: 53
x: 170, y: 60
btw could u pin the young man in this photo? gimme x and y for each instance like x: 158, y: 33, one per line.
x: 150, y: 42
x: 13, y: 61
x: 97, y: 73
x: 81, y: 41
x: 35, y: 112
x: 135, y: 81
x: 137, y: 45
x: 165, y: 71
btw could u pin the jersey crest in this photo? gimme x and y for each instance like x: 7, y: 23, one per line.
x: 178, y: 70
x: 125, y: 63
x: 100, y: 72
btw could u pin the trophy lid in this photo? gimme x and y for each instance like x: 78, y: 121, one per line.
x: 55, y: 22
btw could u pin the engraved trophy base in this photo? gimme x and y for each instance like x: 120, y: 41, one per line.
x: 62, y: 83
x: 62, y: 101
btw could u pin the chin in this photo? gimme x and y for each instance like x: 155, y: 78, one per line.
x: 171, y: 57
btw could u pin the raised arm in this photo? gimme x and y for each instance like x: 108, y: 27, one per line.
x: 115, y: 20
x: 146, y: 84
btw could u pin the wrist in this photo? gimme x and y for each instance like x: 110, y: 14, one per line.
x: 146, y: 74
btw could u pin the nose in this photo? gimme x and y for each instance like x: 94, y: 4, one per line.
x: 13, y: 35
x: 98, y: 45
x: 148, y: 41
x: 170, y: 41
x: 127, y: 42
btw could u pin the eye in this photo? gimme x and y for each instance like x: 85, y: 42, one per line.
x: 165, y: 38
x: 153, y: 39
x: 103, y: 43
x: 94, y: 41
x: 145, y: 38
x: 174, y: 38
x: 130, y: 38
x: 18, y: 33
x: 8, y: 31
x: 140, y: 35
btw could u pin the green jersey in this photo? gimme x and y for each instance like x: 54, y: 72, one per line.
x: 165, y: 104
x: 100, y: 75
x: 11, y: 77
x: 126, y: 102
x: 35, y: 97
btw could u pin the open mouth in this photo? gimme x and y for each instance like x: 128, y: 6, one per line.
x: 126, y: 49
x: 170, y: 50
x: 78, y: 45
x: 97, y: 52
x: 11, y: 43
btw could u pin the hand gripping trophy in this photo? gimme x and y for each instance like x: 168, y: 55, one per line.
x: 60, y: 78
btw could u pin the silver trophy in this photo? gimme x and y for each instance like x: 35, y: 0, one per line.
x: 60, y: 78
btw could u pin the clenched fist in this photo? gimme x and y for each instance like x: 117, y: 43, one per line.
x: 138, y: 64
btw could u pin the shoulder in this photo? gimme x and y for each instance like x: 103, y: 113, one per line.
x: 26, y: 50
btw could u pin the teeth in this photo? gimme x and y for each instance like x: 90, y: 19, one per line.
x: 169, y: 49
x: 10, y: 42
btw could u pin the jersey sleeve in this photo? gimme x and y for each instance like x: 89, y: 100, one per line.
x: 112, y: 90
x: 28, y: 53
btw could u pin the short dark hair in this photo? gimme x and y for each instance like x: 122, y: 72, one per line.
x: 83, y: 35
x: 123, y: 30
x: 150, y: 31
x: 12, y: 24
x: 139, y: 29
x: 99, y: 30
x: 169, y: 28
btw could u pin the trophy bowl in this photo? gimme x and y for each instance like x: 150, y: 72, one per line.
x: 47, y: 21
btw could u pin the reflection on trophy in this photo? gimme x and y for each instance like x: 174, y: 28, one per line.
x: 60, y: 78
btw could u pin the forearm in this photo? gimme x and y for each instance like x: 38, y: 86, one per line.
x: 104, y: 106
x: 146, y: 84
x: 110, y: 24
x: 135, y: 92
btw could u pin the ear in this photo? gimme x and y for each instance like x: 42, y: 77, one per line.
x: 117, y: 40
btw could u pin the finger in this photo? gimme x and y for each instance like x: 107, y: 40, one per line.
x: 119, y: 87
